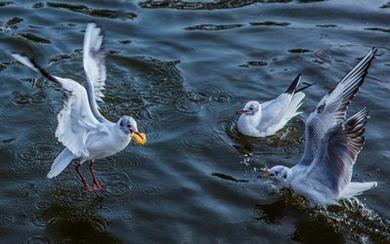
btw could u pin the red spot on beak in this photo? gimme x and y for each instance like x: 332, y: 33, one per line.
x: 241, y: 111
x: 265, y: 174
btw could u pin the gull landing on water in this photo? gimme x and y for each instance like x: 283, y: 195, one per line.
x: 332, y: 144
x: 85, y: 133
x: 265, y: 119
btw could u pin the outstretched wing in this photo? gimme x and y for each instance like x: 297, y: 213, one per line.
x: 76, y: 120
x: 331, y: 110
x: 94, y: 67
x: 339, y: 148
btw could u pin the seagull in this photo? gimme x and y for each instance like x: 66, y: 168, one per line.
x: 84, y: 132
x: 265, y: 119
x: 332, y: 144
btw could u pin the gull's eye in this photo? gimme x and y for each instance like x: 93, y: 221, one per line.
x: 250, y: 108
x: 276, y: 173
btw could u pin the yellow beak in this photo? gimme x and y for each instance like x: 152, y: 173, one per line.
x: 139, y: 138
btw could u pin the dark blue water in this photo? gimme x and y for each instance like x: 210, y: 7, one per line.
x: 183, y: 70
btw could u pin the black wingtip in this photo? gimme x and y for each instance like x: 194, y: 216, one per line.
x: 291, y: 89
x: 43, y: 72
x: 305, y: 87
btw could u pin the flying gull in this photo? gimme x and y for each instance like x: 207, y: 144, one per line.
x: 84, y: 132
x: 332, y: 144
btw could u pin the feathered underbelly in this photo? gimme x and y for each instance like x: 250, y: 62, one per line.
x: 106, y: 147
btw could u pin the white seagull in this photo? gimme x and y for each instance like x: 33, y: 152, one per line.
x: 332, y: 144
x: 85, y: 133
x: 265, y: 119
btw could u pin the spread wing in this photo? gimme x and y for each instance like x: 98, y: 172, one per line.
x: 339, y: 148
x: 94, y: 67
x: 76, y: 120
x: 331, y: 110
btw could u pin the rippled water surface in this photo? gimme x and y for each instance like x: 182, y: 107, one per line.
x: 182, y: 69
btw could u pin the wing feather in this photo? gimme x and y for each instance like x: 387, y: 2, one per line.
x: 338, y: 152
x: 76, y: 120
x: 331, y: 110
x: 94, y: 67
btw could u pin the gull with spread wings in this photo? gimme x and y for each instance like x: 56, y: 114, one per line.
x: 85, y: 133
x: 332, y: 144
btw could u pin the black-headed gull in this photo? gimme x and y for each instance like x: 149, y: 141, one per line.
x: 265, y: 119
x: 85, y: 133
x: 332, y: 144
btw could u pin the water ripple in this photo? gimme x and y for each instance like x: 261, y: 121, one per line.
x: 213, y: 27
x: 103, y: 13
x: 38, y: 239
x: 34, y: 38
x: 185, y: 5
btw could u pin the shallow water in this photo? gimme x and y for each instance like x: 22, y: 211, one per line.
x: 183, y: 70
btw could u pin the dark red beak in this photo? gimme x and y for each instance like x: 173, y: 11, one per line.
x: 265, y: 174
x: 241, y: 111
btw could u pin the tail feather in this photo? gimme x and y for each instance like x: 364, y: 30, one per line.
x: 62, y: 160
x: 357, y: 188
x: 291, y: 89
x: 295, y: 104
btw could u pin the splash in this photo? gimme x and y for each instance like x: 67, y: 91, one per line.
x: 350, y: 217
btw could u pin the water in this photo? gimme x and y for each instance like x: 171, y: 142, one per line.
x: 183, y: 70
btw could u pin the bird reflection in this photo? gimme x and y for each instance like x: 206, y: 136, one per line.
x: 75, y: 220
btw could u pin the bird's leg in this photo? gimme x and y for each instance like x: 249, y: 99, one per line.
x: 96, y: 185
x: 86, y: 186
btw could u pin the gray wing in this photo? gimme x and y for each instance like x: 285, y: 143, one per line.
x: 339, y: 148
x: 331, y: 110
x: 273, y: 111
x: 94, y: 67
x: 76, y: 120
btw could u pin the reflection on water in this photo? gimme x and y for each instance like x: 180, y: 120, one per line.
x: 67, y: 221
x: 183, y: 68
